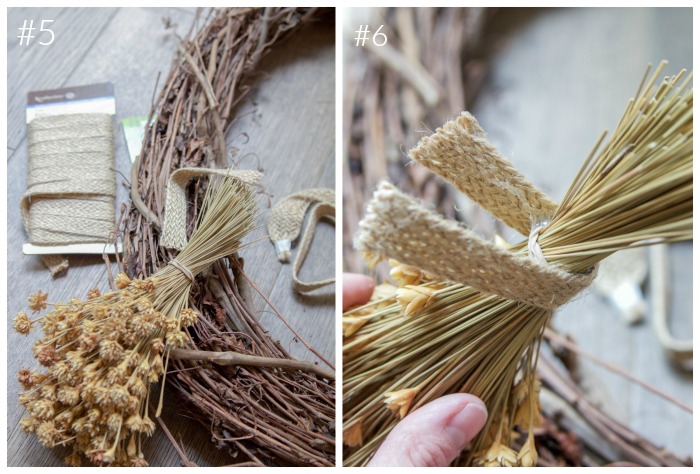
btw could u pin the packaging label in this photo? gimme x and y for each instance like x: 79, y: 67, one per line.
x: 95, y: 98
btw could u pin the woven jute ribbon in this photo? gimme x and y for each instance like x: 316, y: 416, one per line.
x: 174, y: 233
x: 284, y: 226
x: 396, y: 226
x: 71, y: 186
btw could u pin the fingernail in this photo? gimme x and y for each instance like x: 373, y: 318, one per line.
x: 467, y: 423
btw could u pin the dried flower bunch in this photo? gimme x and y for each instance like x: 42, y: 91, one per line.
x: 431, y: 336
x: 103, y: 353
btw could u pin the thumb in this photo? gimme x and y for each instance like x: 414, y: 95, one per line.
x: 433, y: 435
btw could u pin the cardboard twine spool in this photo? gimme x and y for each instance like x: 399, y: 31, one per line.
x: 71, y: 187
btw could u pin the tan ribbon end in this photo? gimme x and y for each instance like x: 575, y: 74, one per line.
x: 57, y: 264
x: 284, y: 250
x: 285, y: 223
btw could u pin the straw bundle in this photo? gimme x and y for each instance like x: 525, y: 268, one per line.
x: 469, y: 316
x: 103, y: 353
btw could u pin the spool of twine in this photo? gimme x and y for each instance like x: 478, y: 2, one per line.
x: 71, y: 186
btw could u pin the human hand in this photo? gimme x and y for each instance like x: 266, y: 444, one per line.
x: 357, y: 289
x: 436, y: 433
x: 433, y: 435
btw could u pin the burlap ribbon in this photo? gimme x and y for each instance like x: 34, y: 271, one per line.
x: 285, y: 222
x: 395, y: 226
x: 174, y: 233
x: 71, y: 186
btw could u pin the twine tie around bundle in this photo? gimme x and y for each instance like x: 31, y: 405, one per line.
x: 71, y: 186
x: 284, y: 226
x: 534, y: 250
x: 183, y: 269
x: 395, y: 226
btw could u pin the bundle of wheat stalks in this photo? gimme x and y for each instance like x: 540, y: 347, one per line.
x: 467, y: 315
x: 102, y: 353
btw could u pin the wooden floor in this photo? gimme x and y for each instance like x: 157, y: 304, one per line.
x: 289, y: 119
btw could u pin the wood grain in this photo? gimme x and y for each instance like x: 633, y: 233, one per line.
x: 37, y: 67
x: 290, y: 134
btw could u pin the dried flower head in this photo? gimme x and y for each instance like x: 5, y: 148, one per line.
x: 94, y: 293
x: 37, y: 301
x: 414, y: 299
x: 157, y: 345
x: 351, y: 324
x: 352, y: 434
x: 22, y: 324
x: 122, y: 281
x: 500, y: 455
x: 404, y: 274
x: 25, y: 378
x: 47, y: 434
x: 188, y: 317
x: 527, y: 404
x: 45, y: 353
x: 385, y: 291
x: 69, y: 396
x: 527, y: 456
x: 28, y: 424
x: 176, y: 339
x: 111, y: 350
x: 400, y: 401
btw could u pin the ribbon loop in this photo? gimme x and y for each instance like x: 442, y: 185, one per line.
x: 395, y: 226
x: 284, y: 226
x: 174, y: 234
x: 460, y: 153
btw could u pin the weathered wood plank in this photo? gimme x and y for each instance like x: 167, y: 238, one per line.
x: 291, y: 133
x: 37, y: 67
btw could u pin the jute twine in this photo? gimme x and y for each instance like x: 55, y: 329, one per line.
x: 396, y: 226
x: 174, y: 233
x: 285, y: 222
x: 71, y: 186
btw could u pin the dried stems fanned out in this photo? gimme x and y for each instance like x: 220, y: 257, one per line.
x: 103, y: 353
x: 443, y: 337
x: 257, y: 414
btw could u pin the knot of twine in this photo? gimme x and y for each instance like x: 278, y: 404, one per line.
x: 284, y: 226
x: 183, y: 269
x: 534, y: 250
x: 71, y: 186
x: 396, y: 226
